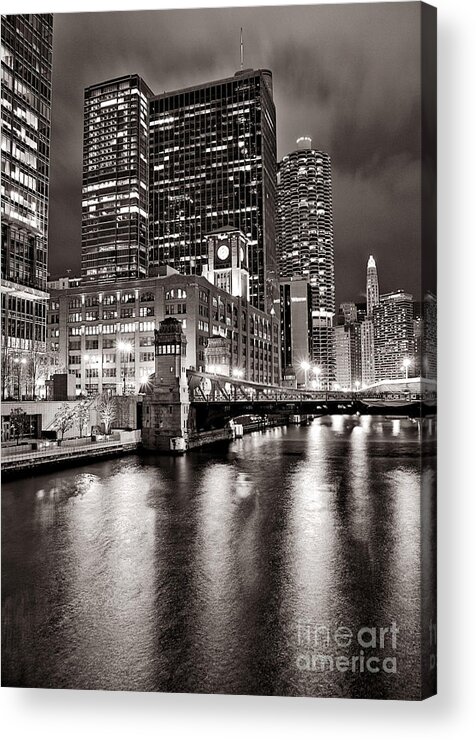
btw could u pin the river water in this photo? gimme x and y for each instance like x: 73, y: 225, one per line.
x: 250, y: 567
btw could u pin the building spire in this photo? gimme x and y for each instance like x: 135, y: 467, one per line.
x: 372, y: 289
x: 242, y: 54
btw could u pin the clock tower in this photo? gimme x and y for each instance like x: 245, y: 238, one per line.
x: 227, y: 265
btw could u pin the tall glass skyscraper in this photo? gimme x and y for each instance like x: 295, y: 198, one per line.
x: 394, y: 336
x: 115, y: 180
x: 212, y: 165
x: 305, y: 236
x: 367, y: 327
x: 26, y: 103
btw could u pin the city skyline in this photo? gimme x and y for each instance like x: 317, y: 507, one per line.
x: 371, y: 139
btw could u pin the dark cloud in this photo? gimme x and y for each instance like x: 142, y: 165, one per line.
x: 347, y: 75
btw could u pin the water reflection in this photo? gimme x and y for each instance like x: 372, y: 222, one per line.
x: 194, y: 573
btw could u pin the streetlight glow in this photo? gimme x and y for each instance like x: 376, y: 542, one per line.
x: 306, y: 367
x: 406, y: 364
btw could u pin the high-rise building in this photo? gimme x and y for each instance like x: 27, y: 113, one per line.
x: 367, y: 333
x: 348, y: 356
x: 394, y: 336
x: 347, y: 313
x: 367, y: 345
x: 306, y: 241
x: 212, y: 165
x: 296, y: 322
x: 26, y: 103
x: 429, y: 343
x: 424, y: 324
x: 372, y: 290
x: 114, y: 235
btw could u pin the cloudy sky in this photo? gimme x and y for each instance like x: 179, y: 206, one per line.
x: 347, y: 75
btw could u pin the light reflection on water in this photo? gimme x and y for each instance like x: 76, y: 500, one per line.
x: 193, y: 573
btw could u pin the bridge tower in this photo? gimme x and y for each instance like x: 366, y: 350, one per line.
x: 165, y: 424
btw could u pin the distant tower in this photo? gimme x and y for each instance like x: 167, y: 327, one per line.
x: 373, y: 295
x: 305, y: 238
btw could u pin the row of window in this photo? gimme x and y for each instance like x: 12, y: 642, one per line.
x: 107, y: 314
x: 109, y: 300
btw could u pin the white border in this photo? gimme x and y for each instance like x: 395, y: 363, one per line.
x: 79, y: 714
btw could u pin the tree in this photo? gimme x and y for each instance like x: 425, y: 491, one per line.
x: 81, y: 415
x: 6, y: 372
x: 35, y: 371
x: 18, y: 424
x: 64, y: 419
x: 107, y: 411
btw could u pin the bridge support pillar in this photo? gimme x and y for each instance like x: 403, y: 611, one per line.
x: 166, y: 408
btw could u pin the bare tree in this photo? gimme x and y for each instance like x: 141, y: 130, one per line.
x: 6, y: 372
x: 107, y: 411
x: 36, y: 370
x: 64, y: 419
x: 18, y: 423
x: 82, y: 415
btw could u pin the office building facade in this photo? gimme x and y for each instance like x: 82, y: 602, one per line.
x: 213, y: 164
x: 115, y: 196
x: 347, y: 314
x: 296, y: 323
x: 394, y: 336
x: 305, y: 239
x: 26, y: 105
x: 348, y: 357
x: 104, y: 334
x: 367, y: 345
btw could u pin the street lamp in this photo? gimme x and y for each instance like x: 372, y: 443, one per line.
x: 406, y: 364
x: 125, y: 348
x: 306, y: 367
x: 317, y: 374
x: 237, y: 372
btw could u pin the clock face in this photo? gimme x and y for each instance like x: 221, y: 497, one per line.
x: 223, y: 252
x: 242, y: 254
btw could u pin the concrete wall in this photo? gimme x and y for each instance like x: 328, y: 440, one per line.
x: 46, y: 410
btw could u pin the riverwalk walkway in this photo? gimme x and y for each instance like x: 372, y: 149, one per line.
x: 17, y: 462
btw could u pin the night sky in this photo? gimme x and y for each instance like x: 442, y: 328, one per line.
x: 347, y: 75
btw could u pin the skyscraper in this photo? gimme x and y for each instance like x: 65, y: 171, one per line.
x: 305, y: 239
x: 296, y: 321
x: 212, y: 165
x: 115, y: 180
x: 394, y: 335
x: 26, y: 102
x: 372, y: 290
x: 348, y: 356
x: 347, y: 313
x: 367, y: 332
x: 367, y: 344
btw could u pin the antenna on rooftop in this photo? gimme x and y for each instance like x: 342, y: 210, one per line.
x: 241, y: 49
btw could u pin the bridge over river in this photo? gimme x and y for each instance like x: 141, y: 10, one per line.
x: 201, y: 403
